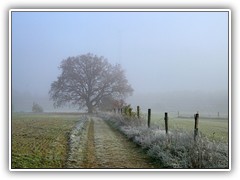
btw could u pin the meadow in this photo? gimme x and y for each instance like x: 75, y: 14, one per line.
x: 40, y: 140
x: 214, y: 128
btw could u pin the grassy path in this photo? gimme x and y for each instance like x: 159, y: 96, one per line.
x: 107, y: 148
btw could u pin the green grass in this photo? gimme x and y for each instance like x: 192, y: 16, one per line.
x: 213, y: 128
x: 40, y: 140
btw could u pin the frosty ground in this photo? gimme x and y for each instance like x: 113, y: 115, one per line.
x: 72, y: 141
x: 107, y: 141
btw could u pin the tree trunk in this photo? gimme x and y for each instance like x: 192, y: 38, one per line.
x: 90, y: 108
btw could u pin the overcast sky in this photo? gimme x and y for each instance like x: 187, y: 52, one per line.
x: 160, y: 51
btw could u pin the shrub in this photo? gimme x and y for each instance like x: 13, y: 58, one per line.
x: 36, y: 108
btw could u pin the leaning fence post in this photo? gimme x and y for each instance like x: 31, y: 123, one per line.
x: 166, y: 122
x: 138, y: 110
x: 149, y: 117
x: 196, y: 116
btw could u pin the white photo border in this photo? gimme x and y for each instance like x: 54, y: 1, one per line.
x: 121, y: 10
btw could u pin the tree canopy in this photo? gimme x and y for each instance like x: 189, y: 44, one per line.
x: 86, y: 80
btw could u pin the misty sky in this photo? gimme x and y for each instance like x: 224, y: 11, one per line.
x: 160, y: 51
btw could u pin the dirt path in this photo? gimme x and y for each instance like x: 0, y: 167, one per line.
x: 90, y: 160
x: 107, y: 148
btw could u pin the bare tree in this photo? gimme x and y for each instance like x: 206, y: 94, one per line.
x: 85, y: 80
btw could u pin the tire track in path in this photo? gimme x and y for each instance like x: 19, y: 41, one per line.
x: 107, y: 148
x: 90, y: 160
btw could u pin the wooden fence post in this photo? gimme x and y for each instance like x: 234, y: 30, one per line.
x: 121, y: 110
x: 196, y: 116
x: 166, y: 122
x: 138, y: 111
x: 149, y: 117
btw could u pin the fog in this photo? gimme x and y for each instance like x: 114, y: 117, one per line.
x: 175, y: 61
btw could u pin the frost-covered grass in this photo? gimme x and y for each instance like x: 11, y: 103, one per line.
x: 76, y: 143
x: 175, y: 150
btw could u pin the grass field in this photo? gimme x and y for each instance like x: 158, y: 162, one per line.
x: 40, y: 140
x: 213, y: 128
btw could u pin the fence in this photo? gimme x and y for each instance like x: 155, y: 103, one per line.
x: 128, y: 112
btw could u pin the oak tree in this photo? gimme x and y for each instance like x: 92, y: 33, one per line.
x: 86, y: 80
